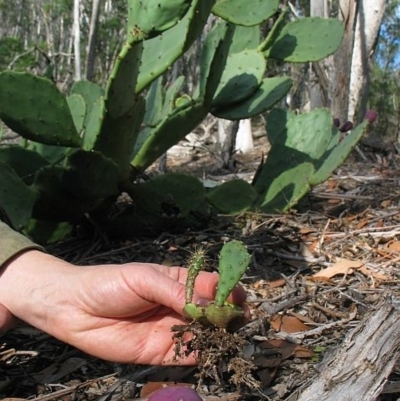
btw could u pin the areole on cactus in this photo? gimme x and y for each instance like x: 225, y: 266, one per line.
x: 234, y: 259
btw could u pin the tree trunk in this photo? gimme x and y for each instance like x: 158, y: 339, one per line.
x: 340, y: 79
x: 91, y: 57
x: 359, y: 368
x: 318, y: 82
x: 244, y: 136
x: 226, y: 137
x: 350, y: 76
x: 77, y: 41
x: 369, y: 19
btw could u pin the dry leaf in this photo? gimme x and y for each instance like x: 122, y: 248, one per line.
x: 343, y: 266
x: 394, y: 246
x: 379, y: 275
x: 288, y: 324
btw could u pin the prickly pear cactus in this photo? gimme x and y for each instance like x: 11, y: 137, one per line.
x: 233, y: 262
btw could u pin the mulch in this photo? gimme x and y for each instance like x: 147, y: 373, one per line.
x: 315, y: 273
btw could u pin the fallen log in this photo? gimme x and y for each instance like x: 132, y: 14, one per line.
x: 360, y: 366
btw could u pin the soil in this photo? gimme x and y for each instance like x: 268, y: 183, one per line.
x: 315, y: 273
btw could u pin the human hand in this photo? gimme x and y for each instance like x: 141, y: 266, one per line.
x: 122, y: 313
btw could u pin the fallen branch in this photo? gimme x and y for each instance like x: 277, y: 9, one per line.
x: 359, y: 368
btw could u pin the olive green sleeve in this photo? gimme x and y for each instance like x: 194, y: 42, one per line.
x: 12, y: 243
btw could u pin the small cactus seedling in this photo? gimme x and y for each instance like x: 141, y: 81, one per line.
x: 233, y: 262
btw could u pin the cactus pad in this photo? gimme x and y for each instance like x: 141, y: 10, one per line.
x: 247, y: 13
x: 34, y: 108
x: 233, y: 262
x: 307, y: 39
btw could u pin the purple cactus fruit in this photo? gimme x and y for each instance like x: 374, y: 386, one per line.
x: 371, y: 116
x: 347, y: 126
x: 336, y: 122
x: 177, y: 393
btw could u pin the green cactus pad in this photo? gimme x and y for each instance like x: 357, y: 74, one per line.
x: 227, y: 316
x: 169, y: 132
x: 196, y: 312
x: 310, y: 133
x: 119, y: 97
x: 307, y: 39
x: 270, y: 92
x: 232, y: 197
x: 16, y: 198
x: 55, y: 203
x: 77, y: 107
x: 277, y: 121
x: 160, y: 52
x: 94, y: 123
x: 334, y: 157
x: 117, y: 137
x: 171, y: 195
x: 48, y: 232
x: 89, y: 175
x: 233, y: 262
x: 24, y: 162
x: 154, y: 103
x: 34, y: 108
x: 247, y: 13
x: 90, y: 93
x: 213, y: 59
x: 286, y: 189
x: 239, y: 82
x: 245, y: 38
x: 148, y: 18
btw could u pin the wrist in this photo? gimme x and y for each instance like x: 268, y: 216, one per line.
x: 31, y: 288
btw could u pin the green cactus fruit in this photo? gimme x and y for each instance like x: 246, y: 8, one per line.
x: 77, y: 107
x: 161, y: 52
x: 169, y: 132
x: 239, y: 82
x: 23, y: 161
x: 34, y: 108
x: 148, y: 18
x: 16, y: 198
x: 119, y: 97
x: 94, y: 123
x: 336, y: 155
x: 270, y: 92
x: 247, y: 13
x: 90, y: 175
x: 233, y: 262
x: 232, y: 197
x: 213, y: 59
x: 307, y: 39
x: 90, y: 93
x: 195, y: 265
x: 286, y: 189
